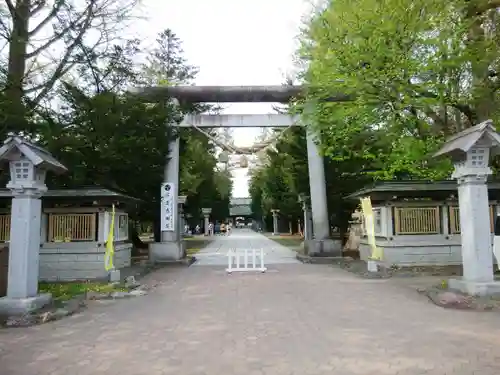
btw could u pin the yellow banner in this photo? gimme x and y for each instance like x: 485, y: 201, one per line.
x: 366, y: 207
x: 110, y: 249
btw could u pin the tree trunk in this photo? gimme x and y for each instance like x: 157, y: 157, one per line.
x: 17, y: 62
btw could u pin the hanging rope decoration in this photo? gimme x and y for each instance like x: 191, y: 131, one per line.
x: 255, y: 148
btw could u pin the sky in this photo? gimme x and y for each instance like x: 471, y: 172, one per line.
x: 233, y: 42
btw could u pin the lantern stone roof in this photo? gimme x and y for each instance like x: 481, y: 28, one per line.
x: 458, y: 145
x: 40, y: 157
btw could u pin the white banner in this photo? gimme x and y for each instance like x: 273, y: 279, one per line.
x: 168, y: 195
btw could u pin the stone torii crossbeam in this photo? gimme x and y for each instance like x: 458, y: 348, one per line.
x: 171, y: 247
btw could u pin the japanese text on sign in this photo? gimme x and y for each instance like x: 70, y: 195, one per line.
x: 167, y: 206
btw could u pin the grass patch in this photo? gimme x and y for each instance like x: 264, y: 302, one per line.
x: 69, y: 290
x: 292, y: 242
x: 195, y: 244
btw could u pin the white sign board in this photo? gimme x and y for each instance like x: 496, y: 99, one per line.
x: 168, y: 195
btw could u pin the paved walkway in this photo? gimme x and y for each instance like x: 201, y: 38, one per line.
x: 300, y: 319
x: 215, y: 254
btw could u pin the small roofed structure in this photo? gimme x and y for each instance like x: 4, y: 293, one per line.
x: 418, y: 222
x: 74, y: 228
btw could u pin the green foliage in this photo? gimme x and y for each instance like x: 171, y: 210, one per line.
x: 374, y: 61
x: 415, y: 72
x: 277, y: 184
x: 48, y: 42
x: 67, y: 291
x: 200, y: 180
x: 113, y: 141
x: 109, y: 138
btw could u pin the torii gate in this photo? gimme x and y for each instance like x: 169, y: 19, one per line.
x: 171, y: 247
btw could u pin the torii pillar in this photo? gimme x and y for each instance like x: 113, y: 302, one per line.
x: 171, y: 247
x: 321, y: 243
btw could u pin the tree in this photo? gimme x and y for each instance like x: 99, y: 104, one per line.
x: 285, y: 174
x: 277, y: 183
x: 116, y: 142
x: 36, y: 64
x: 416, y: 71
x: 199, y: 179
x: 166, y: 64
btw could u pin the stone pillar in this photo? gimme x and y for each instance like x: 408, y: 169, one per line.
x: 308, y: 231
x: 187, y: 220
x: 321, y: 242
x: 182, y: 221
x: 304, y: 200
x: 28, y: 166
x: 171, y: 246
x: 171, y: 174
x: 24, y: 244
x: 206, y: 214
x: 475, y: 228
x: 308, y: 224
x: 470, y: 150
x: 275, y: 213
x: 317, y: 186
x: 24, y: 254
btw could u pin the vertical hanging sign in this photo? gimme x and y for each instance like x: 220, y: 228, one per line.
x: 167, y: 207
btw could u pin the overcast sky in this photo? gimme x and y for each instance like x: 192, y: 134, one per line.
x: 233, y: 42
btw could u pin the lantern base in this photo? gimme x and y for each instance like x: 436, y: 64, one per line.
x: 20, y: 306
x: 164, y: 252
x: 326, y: 247
x: 475, y: 288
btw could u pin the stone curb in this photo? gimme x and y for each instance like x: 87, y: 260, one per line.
x: 318, y: 260
x: 72, y: 306
x: 450, y: 299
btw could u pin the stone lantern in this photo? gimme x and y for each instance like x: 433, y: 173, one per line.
x: 28, y: 165
x: 181, y: 201
x: 470, y: 151
x: 304, y: 200
x: 275, y: 213
x: 206, y: 214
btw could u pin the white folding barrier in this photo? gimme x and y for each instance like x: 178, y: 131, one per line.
x: 238, y: 260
